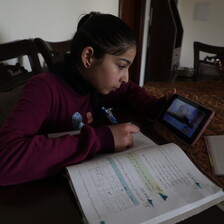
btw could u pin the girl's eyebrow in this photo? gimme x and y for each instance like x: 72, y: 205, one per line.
x: 126, y: 60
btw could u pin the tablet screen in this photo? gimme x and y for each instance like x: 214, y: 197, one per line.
x: 185, y: 118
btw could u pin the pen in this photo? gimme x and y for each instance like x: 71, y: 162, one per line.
x: 109, y: 115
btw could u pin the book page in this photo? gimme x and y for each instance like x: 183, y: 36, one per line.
x: 215, y: 145
x: 141, y: 141
x: 151, y: 185
x: 59, y: 134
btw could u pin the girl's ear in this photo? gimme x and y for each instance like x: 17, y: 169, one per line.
x: 87, y: 56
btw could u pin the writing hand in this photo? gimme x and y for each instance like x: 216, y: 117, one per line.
x: 122, y: 134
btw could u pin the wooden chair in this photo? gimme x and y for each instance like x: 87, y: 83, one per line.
x: 211, y: 67
x: 14, y: 74
x: 52, y: 52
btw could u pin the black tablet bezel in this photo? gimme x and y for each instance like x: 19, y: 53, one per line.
x: 207, y: 116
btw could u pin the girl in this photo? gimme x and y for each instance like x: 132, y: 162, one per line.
x: 94, y: 74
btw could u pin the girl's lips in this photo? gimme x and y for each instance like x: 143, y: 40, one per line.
x: 114, y: 89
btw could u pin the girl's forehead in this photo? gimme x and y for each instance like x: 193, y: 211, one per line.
x: 131, y: 51
x: 129, y: 54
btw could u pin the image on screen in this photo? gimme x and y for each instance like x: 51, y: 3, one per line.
x: 183, y: 117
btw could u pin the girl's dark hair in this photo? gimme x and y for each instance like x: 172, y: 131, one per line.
x: 105, y: 33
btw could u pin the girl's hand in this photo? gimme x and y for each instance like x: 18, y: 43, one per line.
x: 170, y: 94
x: 122, y: 134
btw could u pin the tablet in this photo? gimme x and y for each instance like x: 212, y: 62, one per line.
x: 185, y: 119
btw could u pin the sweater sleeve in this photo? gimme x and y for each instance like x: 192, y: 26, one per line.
x: 27, y: 155
x: 138, y: 98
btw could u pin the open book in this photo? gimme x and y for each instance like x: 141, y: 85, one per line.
x: 147, y: 184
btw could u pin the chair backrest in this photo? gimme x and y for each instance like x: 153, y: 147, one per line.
x: 12, y: 71
x: 14, y: 74
x: 211, y: 66
x: 52, y: 52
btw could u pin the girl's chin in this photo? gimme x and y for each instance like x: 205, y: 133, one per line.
x: 105, y: 92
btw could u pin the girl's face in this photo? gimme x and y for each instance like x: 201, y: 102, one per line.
x: 107, y: 74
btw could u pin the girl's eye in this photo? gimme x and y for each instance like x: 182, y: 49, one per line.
x: 121, y: 67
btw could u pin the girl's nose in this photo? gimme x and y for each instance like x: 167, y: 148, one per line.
x: 125, y: 77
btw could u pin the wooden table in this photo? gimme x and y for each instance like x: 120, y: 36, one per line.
x: 51, y: 200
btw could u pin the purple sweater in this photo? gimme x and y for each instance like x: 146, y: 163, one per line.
x: 46, y: 106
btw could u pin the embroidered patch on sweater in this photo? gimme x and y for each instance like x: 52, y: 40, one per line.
x: 77, y: 121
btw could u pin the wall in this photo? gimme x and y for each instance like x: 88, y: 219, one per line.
x: 209, y: 31
x: 53, y: 20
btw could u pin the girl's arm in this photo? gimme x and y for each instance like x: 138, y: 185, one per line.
x: 138, y: 98
x: 27, y: 154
